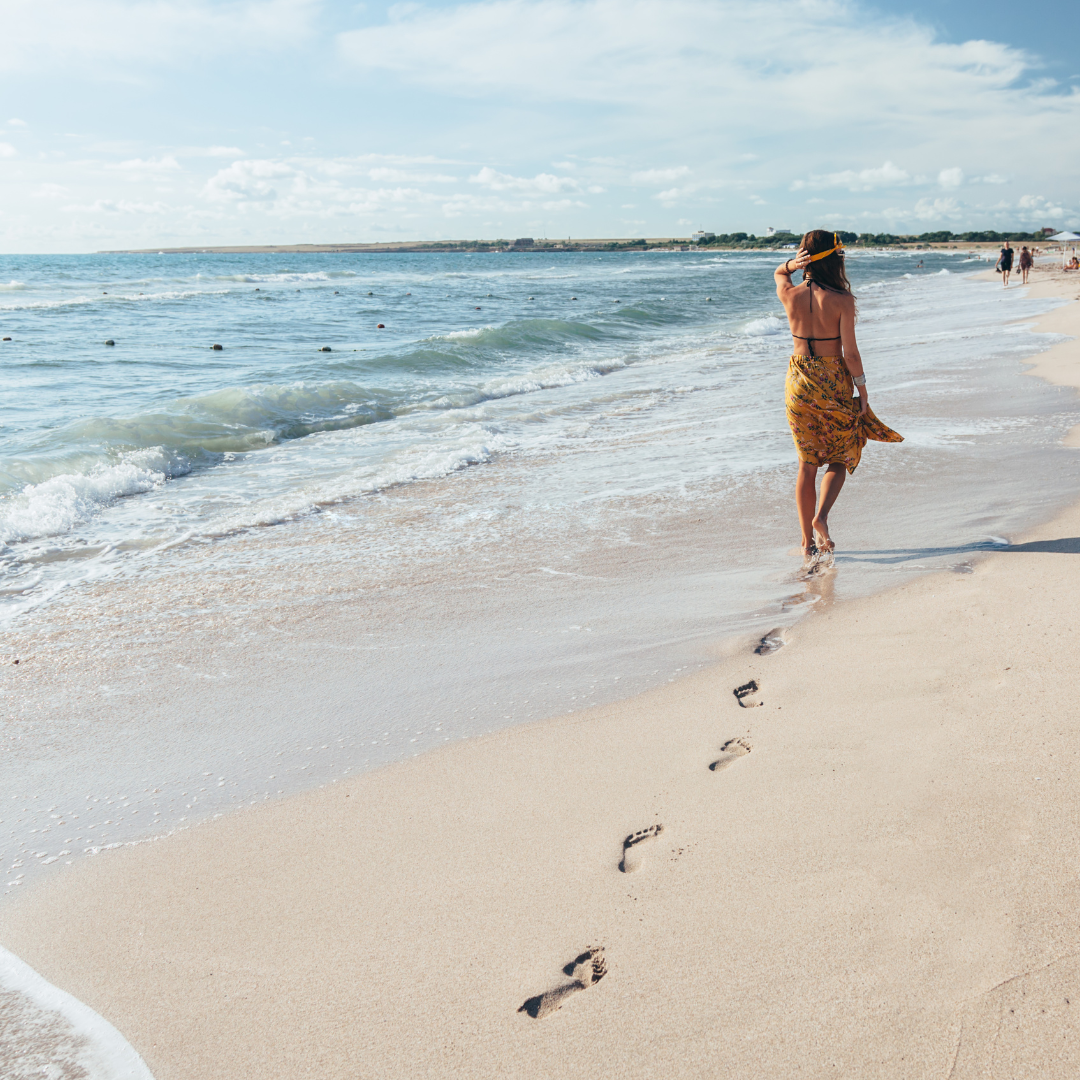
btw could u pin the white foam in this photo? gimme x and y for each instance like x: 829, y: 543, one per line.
x: 764, y: 327
x: 56, y: 505
x: 12, y: 285
x: 315, y: 275
x: 459, y: 334
x: 69, y: 1037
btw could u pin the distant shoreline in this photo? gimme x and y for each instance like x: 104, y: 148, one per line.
x: 543, y: 247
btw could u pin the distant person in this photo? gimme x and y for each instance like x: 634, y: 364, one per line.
x: 828, y: 425
x: 1025, y: 264
x: 1074, y: 264
x: 919, y: 265
x: 1004, y: 264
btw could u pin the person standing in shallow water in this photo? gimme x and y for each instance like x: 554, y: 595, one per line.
x: 1004, y: 263
x: 830, y: 426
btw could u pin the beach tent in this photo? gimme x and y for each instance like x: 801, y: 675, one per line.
x: 1063, y: 238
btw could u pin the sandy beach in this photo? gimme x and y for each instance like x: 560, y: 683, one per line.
x: 856, y: 855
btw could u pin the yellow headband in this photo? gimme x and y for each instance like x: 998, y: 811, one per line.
x: 837, y: 246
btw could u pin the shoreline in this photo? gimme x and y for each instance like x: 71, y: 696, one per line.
x: 627, y: 245
x: 801, y: 897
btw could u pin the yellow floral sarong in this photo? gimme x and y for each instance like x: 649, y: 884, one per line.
x: 826, y: 424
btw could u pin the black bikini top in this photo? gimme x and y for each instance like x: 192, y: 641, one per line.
x: 810, y: 340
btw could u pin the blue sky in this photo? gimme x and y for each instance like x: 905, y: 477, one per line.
x: 161, y: 123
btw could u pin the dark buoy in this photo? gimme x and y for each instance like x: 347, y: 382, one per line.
x: 7, y: 339
x: 489, y: 296
x: 326, y: 348
x: 335, y: 292
x: 109, y: 341
x: 371, y: 294
x: 216, y: 348
x: 258, y: 290
x: 573, y: 297
x: 380, y: 327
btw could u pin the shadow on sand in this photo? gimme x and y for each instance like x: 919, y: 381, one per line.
x: 1067, y: 545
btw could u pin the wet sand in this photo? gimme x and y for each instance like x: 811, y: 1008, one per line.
x: 867, y: 866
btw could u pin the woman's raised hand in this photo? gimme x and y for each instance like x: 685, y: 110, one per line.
x: 802, y: 259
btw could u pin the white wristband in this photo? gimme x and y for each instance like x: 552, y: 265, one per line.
x: 859, y: 380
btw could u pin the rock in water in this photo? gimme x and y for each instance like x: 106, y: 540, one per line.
x: 109, y: 341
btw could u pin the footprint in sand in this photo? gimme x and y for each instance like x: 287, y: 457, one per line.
x: 632, y: 853
x: 585, y: 970
x: 772, y: 641
x: 747, y: 695
x: 731, y: 751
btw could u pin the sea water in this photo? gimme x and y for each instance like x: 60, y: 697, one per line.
x: 547, y: 481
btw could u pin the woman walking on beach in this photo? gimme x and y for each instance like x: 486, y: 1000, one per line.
x: 1025, y: 264
x: 829, y: 426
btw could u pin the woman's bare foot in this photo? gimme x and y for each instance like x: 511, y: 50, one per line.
x: 809, y: 553
x: 821, y: 535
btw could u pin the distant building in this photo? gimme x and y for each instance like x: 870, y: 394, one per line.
x: 524, y: 241
x: 702, y: 237
x: 770, y: 231
x: 1049, y: 231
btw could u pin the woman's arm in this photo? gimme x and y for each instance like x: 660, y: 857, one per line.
x: 852, y: 358
x: 782, y: 274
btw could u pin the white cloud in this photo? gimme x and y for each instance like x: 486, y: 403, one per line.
x: 383, y: 174
x: 210, y: 151
x: 7, y: 150
x: 138, y: 168
x: 541, y: 184
x: 951, y: 178
x: 659, y: 176
x: 1034, y: 208
x: 884, y: 176
x: 17, y: 123
x: 249, y: 181
x: 946, y: 209
x: 123, y: 206
x: 140, y: 33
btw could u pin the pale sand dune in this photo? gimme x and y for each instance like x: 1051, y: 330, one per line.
x: 873, y: 873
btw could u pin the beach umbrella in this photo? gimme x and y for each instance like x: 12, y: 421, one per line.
x: 1063, y: 238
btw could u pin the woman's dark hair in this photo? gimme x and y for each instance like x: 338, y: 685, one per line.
x: 830, y: 270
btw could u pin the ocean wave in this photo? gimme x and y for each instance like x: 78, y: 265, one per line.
x: 764, y: 327
x: 82, y: 300
x: 12, y: 286
x: 473, y: 445
x: 550, y: 377
x: 61, y: 1036
x: 461, y: 335
x: 287, y: 275
x: 57, y: 505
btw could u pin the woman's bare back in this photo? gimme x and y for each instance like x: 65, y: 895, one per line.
x: 815, y: 315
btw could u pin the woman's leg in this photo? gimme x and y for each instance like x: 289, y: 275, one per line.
x: 805, y: 498
x: 831, y: 483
